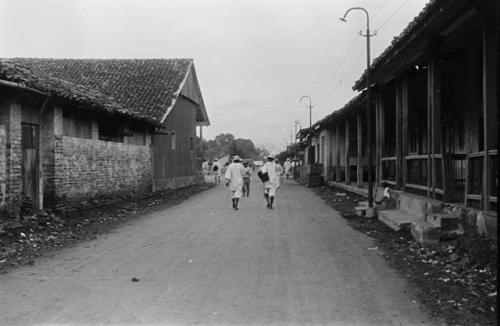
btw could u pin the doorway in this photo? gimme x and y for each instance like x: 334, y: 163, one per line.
x: 30, y: 165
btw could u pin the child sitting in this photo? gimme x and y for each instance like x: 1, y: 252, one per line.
x: 386, y: 195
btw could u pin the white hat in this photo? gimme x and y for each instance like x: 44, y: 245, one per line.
x: 236, y: 158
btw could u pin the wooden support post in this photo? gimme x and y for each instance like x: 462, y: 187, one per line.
x: 382, y: 134
x: 490, y: 41
x: 434, y: 110
x: 404, y: 130
x: 347, y: 166
x: 378, y: 144
x: 359, y: 170
x: 330, y: 154
x: 430, y: 97
x: 337, y: 152
x: 399, y: 135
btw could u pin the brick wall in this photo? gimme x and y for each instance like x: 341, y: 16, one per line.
x: 89, y: 168
x: 10, y: 118
x: 48, y: 133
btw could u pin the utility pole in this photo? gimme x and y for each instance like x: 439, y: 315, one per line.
x: 310, y: 135
x: 368, y: 110
x: 295, y: 155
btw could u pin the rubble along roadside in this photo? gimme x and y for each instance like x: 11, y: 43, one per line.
x: 456, y: 280
x: 34, y: 233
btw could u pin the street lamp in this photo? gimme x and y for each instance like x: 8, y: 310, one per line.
x: 368, y: 111
x: 296, y: 122
x: 310, y: 134
x: 295, y: 155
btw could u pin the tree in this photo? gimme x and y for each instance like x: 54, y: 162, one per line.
x: 261, y: 152
x: 225, y: 144
x: 244, y: 148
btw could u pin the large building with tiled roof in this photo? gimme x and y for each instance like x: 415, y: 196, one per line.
x: 72, y: 129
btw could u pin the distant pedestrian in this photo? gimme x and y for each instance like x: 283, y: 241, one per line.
x: 279, y: 171
x: 288, y: 167
x: 216, y: 170
x: 224, y: 168
x: 205, y: 168
x: 272, y: 184
x: 234, y: 180
x: 246, y: 179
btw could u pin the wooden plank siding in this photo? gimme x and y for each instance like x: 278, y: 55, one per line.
x: 436, y: 110
x: 173, y: 145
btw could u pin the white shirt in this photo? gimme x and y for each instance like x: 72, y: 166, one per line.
x: 234, y: 174
x: 272, y: 171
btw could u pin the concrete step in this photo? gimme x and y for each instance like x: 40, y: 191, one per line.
x: 425, y: 233
x: 444, y: 221
x: 363, y: 203
x: 396, y: 219
x: 413, y: 204
x: 366, y: 211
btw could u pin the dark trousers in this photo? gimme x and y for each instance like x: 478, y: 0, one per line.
x: 246, y: 186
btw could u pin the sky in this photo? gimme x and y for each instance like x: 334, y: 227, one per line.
x: 254, y: 58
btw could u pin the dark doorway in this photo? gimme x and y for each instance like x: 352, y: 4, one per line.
x: 30, y: 164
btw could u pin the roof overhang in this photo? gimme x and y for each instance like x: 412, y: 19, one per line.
x: 438, y: 17
x: 190, y: 89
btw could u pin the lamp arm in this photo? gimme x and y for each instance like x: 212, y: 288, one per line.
x: 364, y: 10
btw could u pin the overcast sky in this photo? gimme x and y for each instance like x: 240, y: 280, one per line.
x: 254, y: 58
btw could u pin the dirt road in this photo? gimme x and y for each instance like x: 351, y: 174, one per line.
x: 201, y: 262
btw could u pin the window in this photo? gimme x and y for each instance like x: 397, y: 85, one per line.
x: 173, y: 140
x: 136, y: 134
x: 76, y: 124
x: 191, y: 144
x: 110, y: 130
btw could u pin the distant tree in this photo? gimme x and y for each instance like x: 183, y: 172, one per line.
x: 281, y: 157
x: 261, y: 152
x: 244, y: 148
x: 223, y: 141
x: 225, y: 144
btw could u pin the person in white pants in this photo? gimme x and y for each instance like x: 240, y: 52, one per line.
x: 234, y: 179
x: 272, y: 184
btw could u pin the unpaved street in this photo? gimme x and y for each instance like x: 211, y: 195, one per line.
x: 201, y: 262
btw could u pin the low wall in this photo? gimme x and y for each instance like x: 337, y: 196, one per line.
x: 88, y: 168
x: 484, y: 223
x: 178, y: 182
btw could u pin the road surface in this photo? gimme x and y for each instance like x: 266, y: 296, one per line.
x: 202, y: 263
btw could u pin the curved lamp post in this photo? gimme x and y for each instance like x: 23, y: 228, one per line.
x: 310, y: 134
x: 295, y: 155
x: 368, y: 111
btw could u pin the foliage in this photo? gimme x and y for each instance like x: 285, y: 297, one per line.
x: 227, y: 144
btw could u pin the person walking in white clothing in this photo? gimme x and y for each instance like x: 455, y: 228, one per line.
x: 287, y: 167
x: 272, y: 184
x: 216, y: 170
x: 234, y: 180
x: 279, y: 171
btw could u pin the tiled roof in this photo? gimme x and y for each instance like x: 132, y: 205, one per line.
x: 143, y: 88
x: 406, y: 36
x: 351, y: 105
x: 76, y: 94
